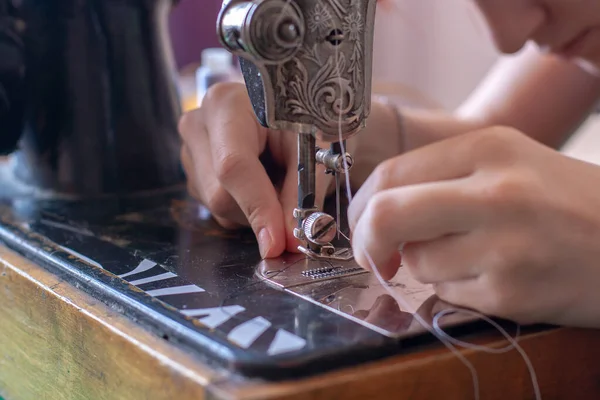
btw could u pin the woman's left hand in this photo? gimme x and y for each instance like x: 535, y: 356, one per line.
x: 494, y: 220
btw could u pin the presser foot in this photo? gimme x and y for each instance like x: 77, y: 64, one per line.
x: 328, y: 252
x: 318, y: 231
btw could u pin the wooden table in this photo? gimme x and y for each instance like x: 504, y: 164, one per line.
x: 56, y: 342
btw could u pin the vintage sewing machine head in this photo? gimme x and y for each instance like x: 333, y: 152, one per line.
x: 307, y: 67
x: 307, y: 63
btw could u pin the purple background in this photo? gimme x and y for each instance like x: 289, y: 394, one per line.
x: 193, y: 28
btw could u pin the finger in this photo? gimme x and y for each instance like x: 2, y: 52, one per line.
x: 186, y: 159
x: 427, y: 310
x: 444, y: 160
x: 186, y: 162
x: 493, y: 294
x: 227, y: 224
x: 469, y: 293
x: 449, y: 258
x: 411, y: 214
x: 236, y: 151
x: 192, y: 188
x: 190, y: 173
x: 201, y: 181
x: 392, y: 265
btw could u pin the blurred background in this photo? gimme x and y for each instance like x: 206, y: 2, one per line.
x: 193, y: 26
x: 429, y: 53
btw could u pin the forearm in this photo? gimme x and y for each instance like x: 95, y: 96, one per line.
x: 390, y: 132
x: 543, y: 96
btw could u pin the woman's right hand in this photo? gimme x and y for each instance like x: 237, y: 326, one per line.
x: 244, y: 173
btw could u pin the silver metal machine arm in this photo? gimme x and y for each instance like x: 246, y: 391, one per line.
x: 307, y: 68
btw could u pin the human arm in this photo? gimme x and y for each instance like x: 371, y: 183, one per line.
x: 494, y: 220
x: 223, y: 142
x: 541, y: 95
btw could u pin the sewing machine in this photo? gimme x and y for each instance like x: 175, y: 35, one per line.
x: 120, y: 283
x: 307, y: 67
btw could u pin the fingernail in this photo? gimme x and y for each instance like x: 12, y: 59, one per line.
x: 264, y: 242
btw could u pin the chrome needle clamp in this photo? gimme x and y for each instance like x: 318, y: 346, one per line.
x: 307, y: 67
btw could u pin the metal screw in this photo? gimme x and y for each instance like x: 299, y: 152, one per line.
x: 288, y: 32
x: 335, y: 37
x: 320, y: 228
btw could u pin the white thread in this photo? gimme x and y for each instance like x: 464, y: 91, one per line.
x: 345, y: 236
x: 513, y: 342
x: 457, y: 342
x: 442, y: 336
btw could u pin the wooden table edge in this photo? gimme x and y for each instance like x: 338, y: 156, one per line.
x: 35, y: 300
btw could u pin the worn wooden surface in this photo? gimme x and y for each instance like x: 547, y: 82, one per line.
x: 59, y: 343
x: 566, y: 362
x: 56, y: 342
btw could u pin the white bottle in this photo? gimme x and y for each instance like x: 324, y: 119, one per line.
x: 217, y: 66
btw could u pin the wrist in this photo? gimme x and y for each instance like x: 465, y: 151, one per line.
x: 424, y: 127
x: 393, y: 118
x: 380, y: 140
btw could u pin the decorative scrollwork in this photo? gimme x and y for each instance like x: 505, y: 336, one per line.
x: 311, y: 57
x: 327, y: 92
x: 353, y: 26
x: 326, y: 96
x: 319, y: 19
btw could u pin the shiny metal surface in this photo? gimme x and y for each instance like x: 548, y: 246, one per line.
x: 307, y: 68
x: 334, y: 162
x: 269, y: 30
x: 306, y: 174
x: 347, y: 290
x: 292, y: 270
x: 328, y: 253
x: 307, y: 63
x: 320, y: 228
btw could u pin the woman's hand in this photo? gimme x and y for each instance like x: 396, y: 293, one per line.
x: 245, y: 174
x: 494, y: 220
